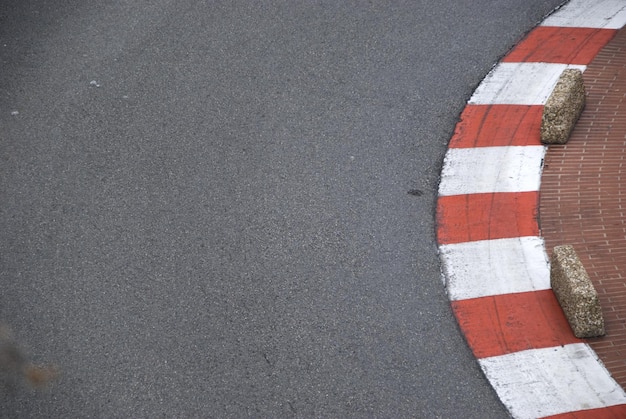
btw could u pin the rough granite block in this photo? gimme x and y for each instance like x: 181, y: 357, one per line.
x: 575, y: 292
x: 563, y: 108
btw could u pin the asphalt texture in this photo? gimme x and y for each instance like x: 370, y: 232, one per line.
x: 226, y: 209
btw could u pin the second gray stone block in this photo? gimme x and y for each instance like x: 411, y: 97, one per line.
x: 575, y: 292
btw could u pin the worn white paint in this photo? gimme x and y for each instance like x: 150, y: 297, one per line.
x: 491, y: 169
x: 519, y: 84
x: 494, y: 267
x: 543, y: 382
x: 607, y: 14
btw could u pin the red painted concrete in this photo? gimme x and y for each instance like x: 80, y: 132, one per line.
x: 502, y: 324
x: 561, y: 45
x: 497, y: 125
x: 486, y: 216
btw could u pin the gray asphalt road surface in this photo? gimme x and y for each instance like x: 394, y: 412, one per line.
x: 205, y: 207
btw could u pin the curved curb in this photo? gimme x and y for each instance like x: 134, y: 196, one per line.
x: 494, y: 261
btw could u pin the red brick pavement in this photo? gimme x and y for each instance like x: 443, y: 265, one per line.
x: 583, y: 196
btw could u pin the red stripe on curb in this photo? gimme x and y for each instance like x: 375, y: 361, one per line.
x: 566, y: 45
x: 498, y: 125
x: 485, y: 216
x: 502, y: 324
x: 609, y: 412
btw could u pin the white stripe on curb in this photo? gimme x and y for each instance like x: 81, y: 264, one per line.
x: 493, y: 267
x: 606, y: 14
x: 491, y: 169
x: 549, y: 381
x: 519, y: 84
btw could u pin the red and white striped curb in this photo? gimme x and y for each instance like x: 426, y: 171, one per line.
x: 496, y: 269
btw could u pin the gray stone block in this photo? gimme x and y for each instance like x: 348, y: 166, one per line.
x: 575, y: 292
x: 563, y: 108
